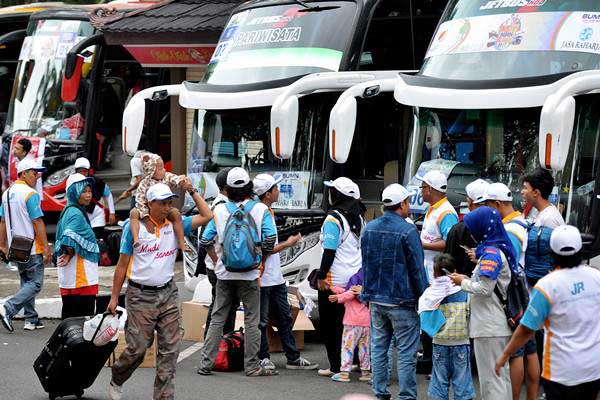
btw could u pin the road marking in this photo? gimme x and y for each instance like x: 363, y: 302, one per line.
x: 189, y: 351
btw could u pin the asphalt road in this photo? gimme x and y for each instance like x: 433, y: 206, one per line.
x: 18, y: 380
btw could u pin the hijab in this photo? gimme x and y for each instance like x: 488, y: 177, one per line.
x: 74, y: 229
x: 352, y: 209
x: 485, y: 224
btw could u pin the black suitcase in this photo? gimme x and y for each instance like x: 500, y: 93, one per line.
x: 68, y: 364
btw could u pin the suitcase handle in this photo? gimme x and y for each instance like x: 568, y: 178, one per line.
x: 104, y: 315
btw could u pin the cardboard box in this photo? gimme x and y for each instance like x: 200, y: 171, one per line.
x: 300, y: 324
x: 149, y: 358
x: 194, y: 320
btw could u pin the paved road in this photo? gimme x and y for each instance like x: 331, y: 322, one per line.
x: 18, y: 380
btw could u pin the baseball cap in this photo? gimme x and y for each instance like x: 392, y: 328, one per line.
x: 565, y: 240
x: 394, y: 194
x: 436, y: 180
x: 237, y: 177
x: 264, y: 182
x: 345, y: 186
x: 477, y: 190
x: 27, y: 164
x: 498, y: 192
x: 160, y: 191
x: 78, y: 178
x: 82, y: 162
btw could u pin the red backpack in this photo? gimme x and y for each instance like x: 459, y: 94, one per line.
x: 231, y: 352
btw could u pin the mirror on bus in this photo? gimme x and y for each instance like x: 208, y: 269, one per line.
x: 72, y: 77
x: 133, y: 123
x: 556, y: 127
x: 342, y: 124
x: 282, y: 122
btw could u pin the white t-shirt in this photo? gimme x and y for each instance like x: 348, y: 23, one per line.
x: 221, y: 198
x: 271, y: 274
x: 78, y: 273
x: 549, y: 217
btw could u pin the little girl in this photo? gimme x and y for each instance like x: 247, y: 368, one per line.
x: 356, y: 328
x: 154, y: 172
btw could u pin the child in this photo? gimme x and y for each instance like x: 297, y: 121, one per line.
x: 154, y: 172
x: 356, y: 328
x: 444, y: 314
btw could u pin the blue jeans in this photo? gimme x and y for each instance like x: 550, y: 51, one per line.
x: 403, y: 324
x: 274, y: 303
x: 32, y: 279
x: 451, y: 364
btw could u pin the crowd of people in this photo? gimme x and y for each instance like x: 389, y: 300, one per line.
x: 385, y: 289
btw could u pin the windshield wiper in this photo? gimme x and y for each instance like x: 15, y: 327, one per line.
x: 308, y: 8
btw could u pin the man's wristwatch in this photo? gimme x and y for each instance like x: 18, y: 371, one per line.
x: 192, y: 191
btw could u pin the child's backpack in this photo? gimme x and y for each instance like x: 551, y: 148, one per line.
x: 230, y: 357
x: 241, y: 242
x: 538, y: 262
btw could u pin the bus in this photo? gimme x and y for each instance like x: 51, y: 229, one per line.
x: 75, y: 117
x: 298, y: 56
x: 506, y: 86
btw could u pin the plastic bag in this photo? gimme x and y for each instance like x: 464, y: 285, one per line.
x: 203, y: 292
x: 101, y: 329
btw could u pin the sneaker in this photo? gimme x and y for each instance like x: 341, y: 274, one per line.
x: 6, y: 319
x: 30, y: 326
x: 261, y: 371
x: 204, y: 371
x: 115, y: 392
x: 366, y: 376
x: 301, y: 363
x: 11, y: 267
x: 341, y: 377
x: 267, y: 363
x: 325, y: 372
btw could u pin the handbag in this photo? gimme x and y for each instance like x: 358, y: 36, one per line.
x: 313, y: 280
x: 20, y: 246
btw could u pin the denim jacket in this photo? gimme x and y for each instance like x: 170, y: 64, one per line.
x: 392, y: 261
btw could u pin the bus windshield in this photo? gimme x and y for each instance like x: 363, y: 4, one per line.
x: 285, y: 41
x: 241, y: 138
x: 36, y: 108
x: 498, y: 145
x: 506, y: 39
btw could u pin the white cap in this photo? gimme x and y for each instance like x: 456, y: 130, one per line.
x: 476, y: 190
x: 264, y: 182
x: 394, y: 194
x: 498, y: 192
x: 160, y: 191
x: 82, y: 162
x: 237, y: 177
x: 565, y: 240
x: 345, y: 186
x: 436, y: 180
x: 74, y: 179
x: 27, y: 164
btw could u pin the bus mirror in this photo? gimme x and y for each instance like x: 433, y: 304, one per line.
x: 556, y: 128
x: 133, y: 124
x: 342, y: 123
x: 72, y: 78
x: 284, y: 122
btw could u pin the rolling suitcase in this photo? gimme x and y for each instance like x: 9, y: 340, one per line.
x: 68, y: 364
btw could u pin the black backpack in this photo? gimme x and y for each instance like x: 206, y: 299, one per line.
x: 516, y: 301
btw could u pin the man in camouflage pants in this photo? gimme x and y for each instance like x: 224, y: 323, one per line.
x: 152, y: 297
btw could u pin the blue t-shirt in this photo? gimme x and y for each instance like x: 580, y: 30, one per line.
x: 331, y: 234
x: 447, y: 223
x: 33, y: 205
x: 537, y: 311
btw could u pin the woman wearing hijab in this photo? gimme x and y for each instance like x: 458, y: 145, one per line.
x: 488, y: 326
x: 340, y: 238
x: 77, y: 252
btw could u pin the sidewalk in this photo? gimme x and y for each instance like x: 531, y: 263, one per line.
x: 48, y: 302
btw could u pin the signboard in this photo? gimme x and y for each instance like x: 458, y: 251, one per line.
x: 191, y: 55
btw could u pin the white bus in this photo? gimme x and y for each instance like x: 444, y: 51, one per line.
x: 506, y: 86
x: 264, y: 103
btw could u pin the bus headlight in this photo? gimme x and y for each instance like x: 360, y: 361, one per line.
x: 288, y: 255
x: 59, y: 176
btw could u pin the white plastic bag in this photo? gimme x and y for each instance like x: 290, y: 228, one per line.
x: 203, y: 292
x: 101, y: 329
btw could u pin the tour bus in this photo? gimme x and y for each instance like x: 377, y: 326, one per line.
x: 506, y: 86
x: 73, y: 117
x: 298, y: 56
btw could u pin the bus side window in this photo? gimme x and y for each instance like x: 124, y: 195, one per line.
x: 27, y: 72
